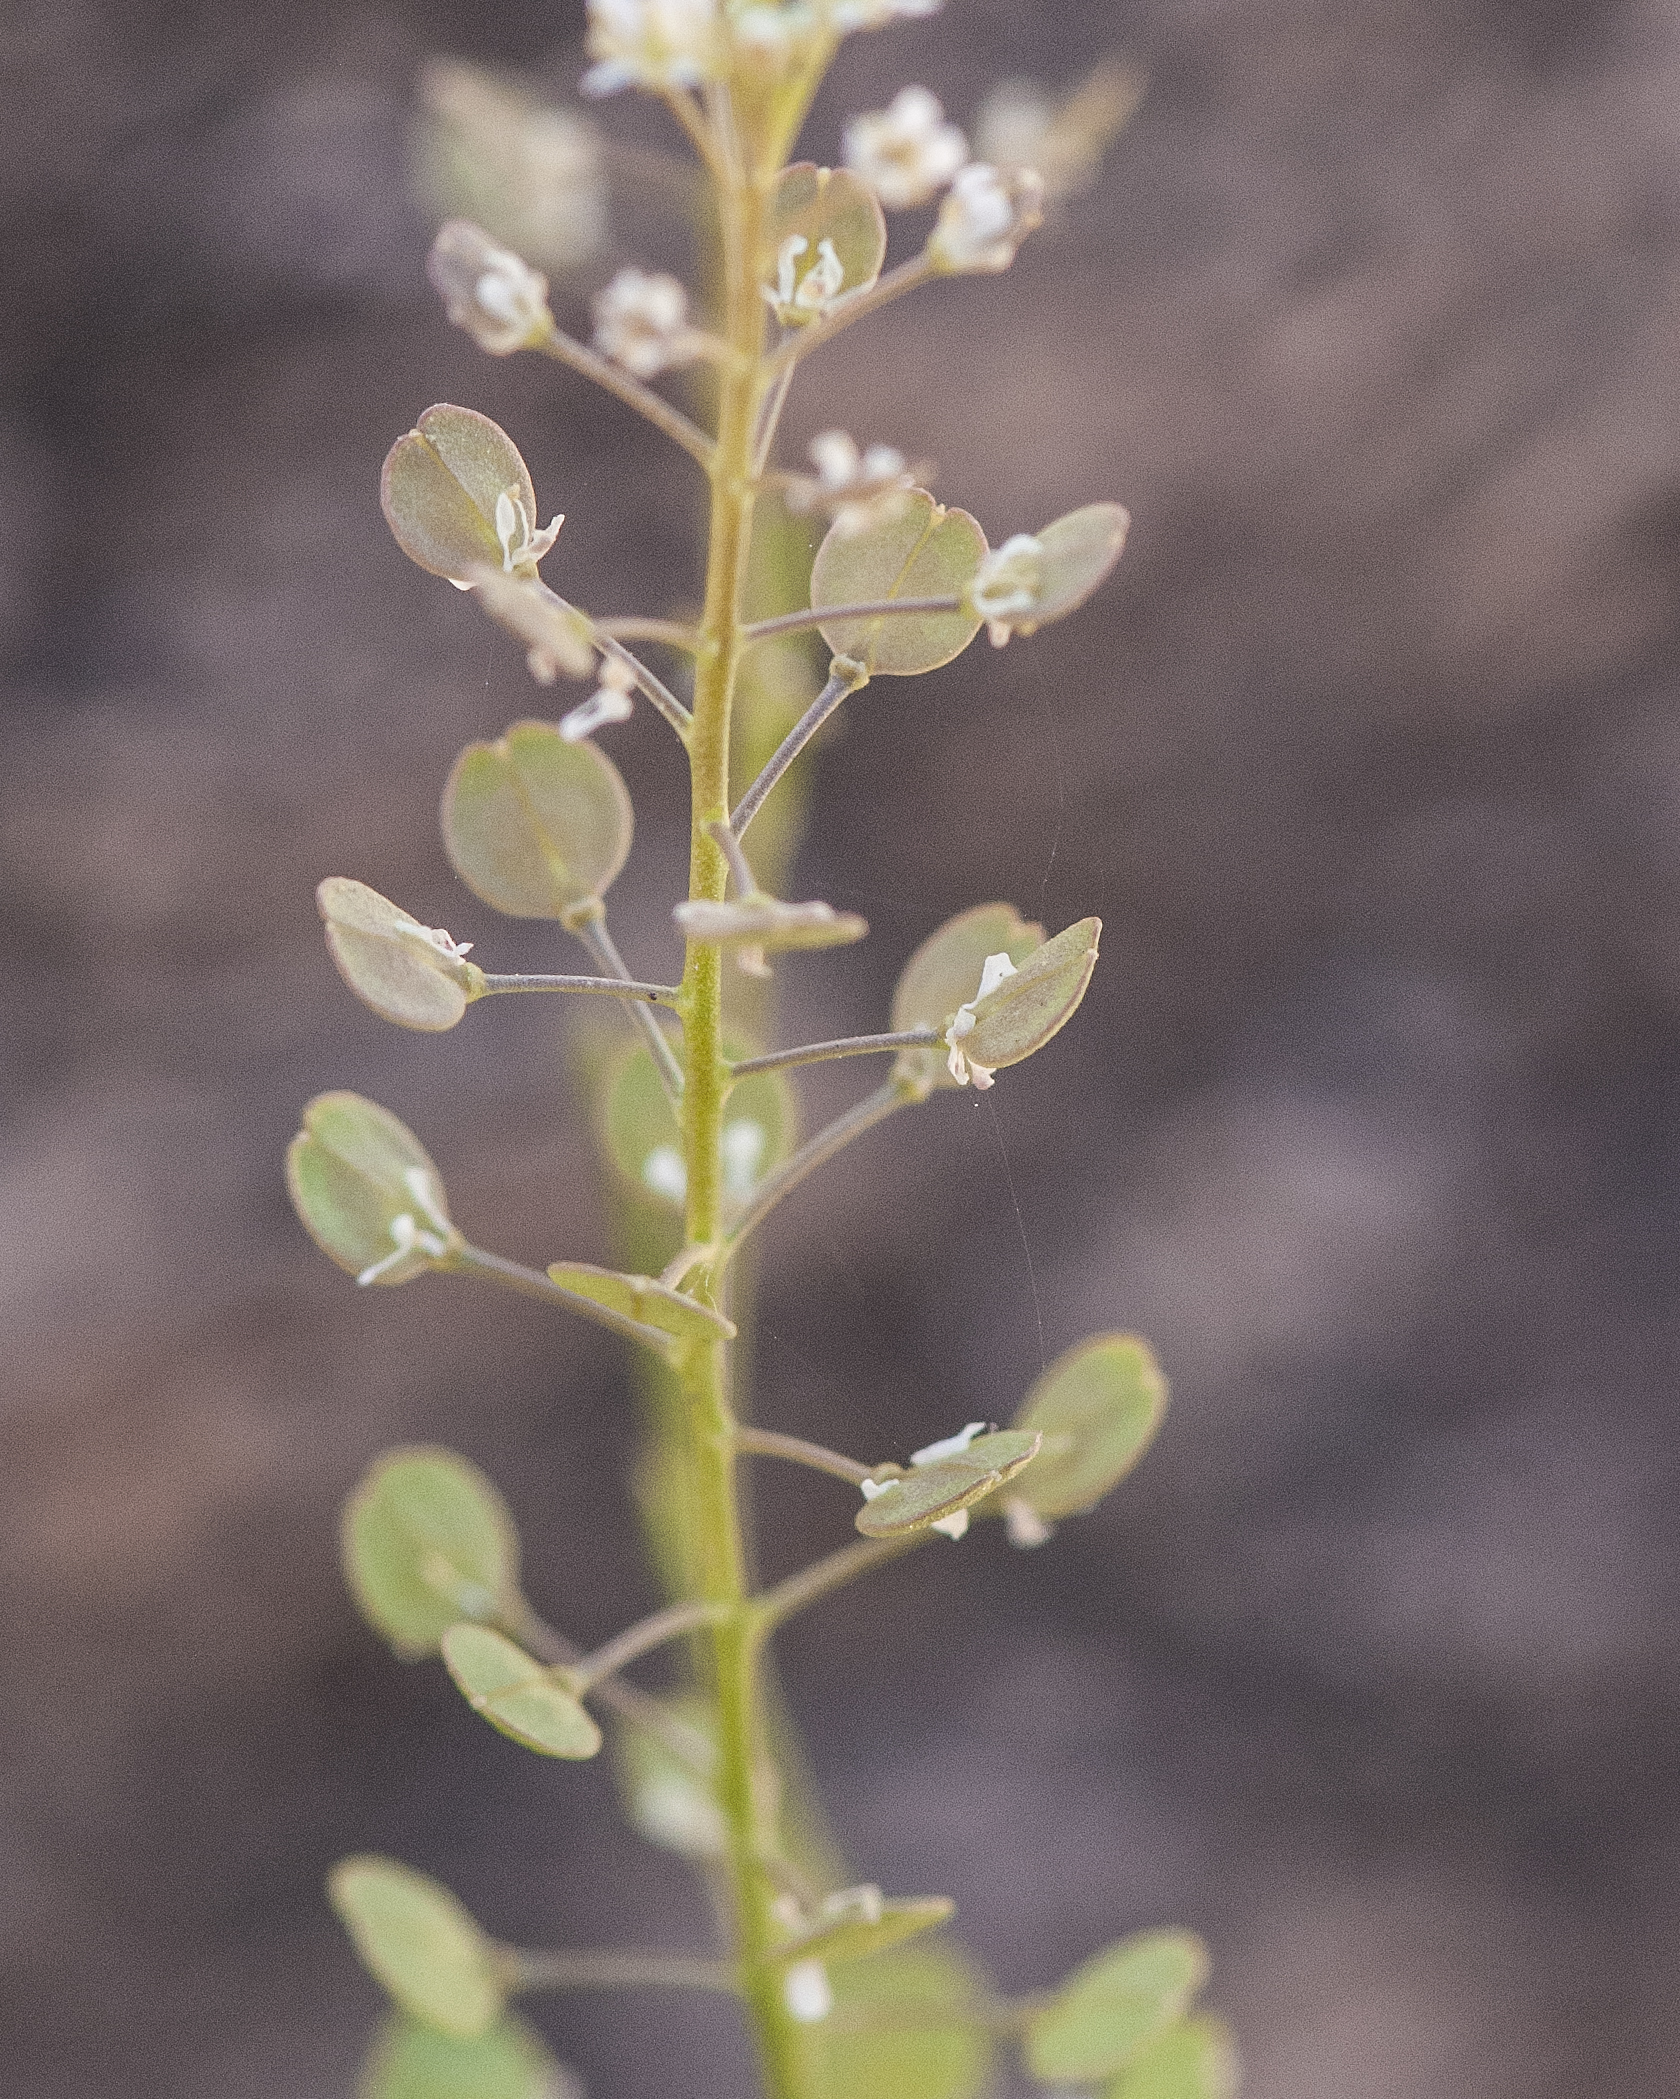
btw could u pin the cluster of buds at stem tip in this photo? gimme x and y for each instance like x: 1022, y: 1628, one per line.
x: 963, y: 1068
x: 986, y: 215
x: 609, y: 702
x: 905, y: 152
x: 641, y: 322
x: 657, y: 44
x: 853, y: 487
x: 493, y: 294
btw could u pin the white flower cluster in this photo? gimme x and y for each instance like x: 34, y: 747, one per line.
x: 852, y: 486
x: 962, y: 1068
x: 1006, y: 585
x: 641, y: 322
x: 609, y: 702
x: 985, y: 217
x: 656, y: 44
x: 905, y: 152
x: 493, y: 294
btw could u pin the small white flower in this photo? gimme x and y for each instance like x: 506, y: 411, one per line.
x: 452, y: 950
x: 872, y: 1490
x: 493, y: 294
x: 772, y: 35
x: 905, y: 152
x: 986, y: 217
x: 853, y: 487
x: 522, y: 543
x: 413, y: 1249
x: 1007, y: 583
x: 656, y: 44
x: 802, y: 294
x: 876, y: 14
x: 950, y: 1446
x: 963, y: 1068
x: 609, y: 702
x: 806, y: 1988
x: 641, y: 322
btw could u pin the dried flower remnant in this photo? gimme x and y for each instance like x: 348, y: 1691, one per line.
x: 905, y: 152
x: 804, y: 290
x: 609, y: 702
x: 487, y: 290
x: 642, y: 323
x: 1007, y: 585
x: 851, y: 486
x: 962, y: 1068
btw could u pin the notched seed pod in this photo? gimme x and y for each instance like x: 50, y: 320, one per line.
x: 535, y: 825
x: 419, y: 1943
x: 556, y: 637
x: 766, y: 922
x: 930, y: 1495
x: 1110, y: 2009
x: 412, y: 974
x: 645, y: 1298
x: 509, y: 2061
x: 1016, y: 1011
x: 1196, y: 2060
x: 913, y: 548
x: 825, y: 237
x: 944, y: 971
x: 1038, y: 577
x: 859, y: 1921
x: 458, y: 497
x: 531, y: 1705
x: 427, y: 1542
x: 367, y: 1192
x: 1098, y: 1408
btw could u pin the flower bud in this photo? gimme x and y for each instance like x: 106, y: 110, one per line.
x: 985, y: 218
x: 499, y: 300
x: 905, y: 152
x: 641, y: 322
x: 653, y: 44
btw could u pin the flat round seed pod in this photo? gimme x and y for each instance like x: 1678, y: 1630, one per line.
x: 517, y: 1695
x: 407, y: 972
x: 645, y: 1298
x: 419, y: 1943
x: 905, y: 2028
x: 815, y: 205
x: 766, y: 922
x: 858, y: 1928
x: 945, y: 971
x: 426, y: 1542
x: 1196, y: 2060
x: 760, y: 1125
x: 353, y: 1172
x: 1097, y: 1408
x: 915, y: 548
x: 509, y: 2061
x: 439, y: 490
x: 928, y: 1494
x: 1109, y: 2010
x: 1042, y: 996
x: 537, y: 826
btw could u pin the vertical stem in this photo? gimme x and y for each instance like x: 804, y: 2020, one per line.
x: 745, y: 1793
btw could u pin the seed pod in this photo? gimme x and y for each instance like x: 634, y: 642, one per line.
x: 1035, y: 1001
x: 508, y: 2061
x: 824, y: 238
x: 910, y: 548
x: 535, y: 825
x: 427, y: 1542
x: 412, y: 974
x: 419, y: 1943
x: 366, y: 1190
x: 944, y: 971
x: 521, y: 1699
x: 1097, y: 1408
x: 1109, y: 2010
x: 934, y: 1493
x: 442, y: 486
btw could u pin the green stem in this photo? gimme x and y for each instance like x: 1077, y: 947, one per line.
x: 631, y: 392
x: 771, y: 1443
x: 831, y: 615
x: 745, y: 1788
x: 845, y: 1046
x: 531, y: 1282
x: 639, y: 1639
x: 823, y: 1576
x: 606, y: 987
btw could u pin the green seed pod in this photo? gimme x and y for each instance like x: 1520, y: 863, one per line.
x: 412, y: 974
x: 766, y: 922
x: 1038, y: 577
x: 427, y: 1542
x: 935, y: 1492
x: 1018, y: 1014
x: 1197, y: 2060
x: 457, y: 496
x: 860, y: 1921
x: 1108, y: 2011
x: 367, y: 1191
x: 419, y: 1943
x: 508, y: 2061
x: 824, y: 238
x: 943, y: 972
x: 906, y: 2028
x: 644, y: 1298
x: 912, y: 548
x: 537, y: 826
x: 1097, y: 1408
x: 760, y: 1126
x: 518, y: 1696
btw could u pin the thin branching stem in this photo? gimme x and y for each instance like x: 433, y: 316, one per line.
x: 565, y: 349
x: 612, y: 1970
x: 600, y: 943
x: 840, y: 683
x: 770, y: 1443
x: 831, y: 615
x: 634, y: 627
x: 770, y: 417
x: 746, y: 883
x: 918, y: 270
x: 653, y: 689
x: 874, y: 1108
x: 846, y: 1046
x: 633, y: 1705
x: 604, y: 987
x: 531, y: 1282
x: 774, y: 1607
x: 641, y: 1638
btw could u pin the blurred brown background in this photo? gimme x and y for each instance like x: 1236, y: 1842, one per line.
x: 1369, y: 758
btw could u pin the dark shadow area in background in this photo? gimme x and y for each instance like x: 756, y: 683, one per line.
x: 1369, y: 759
